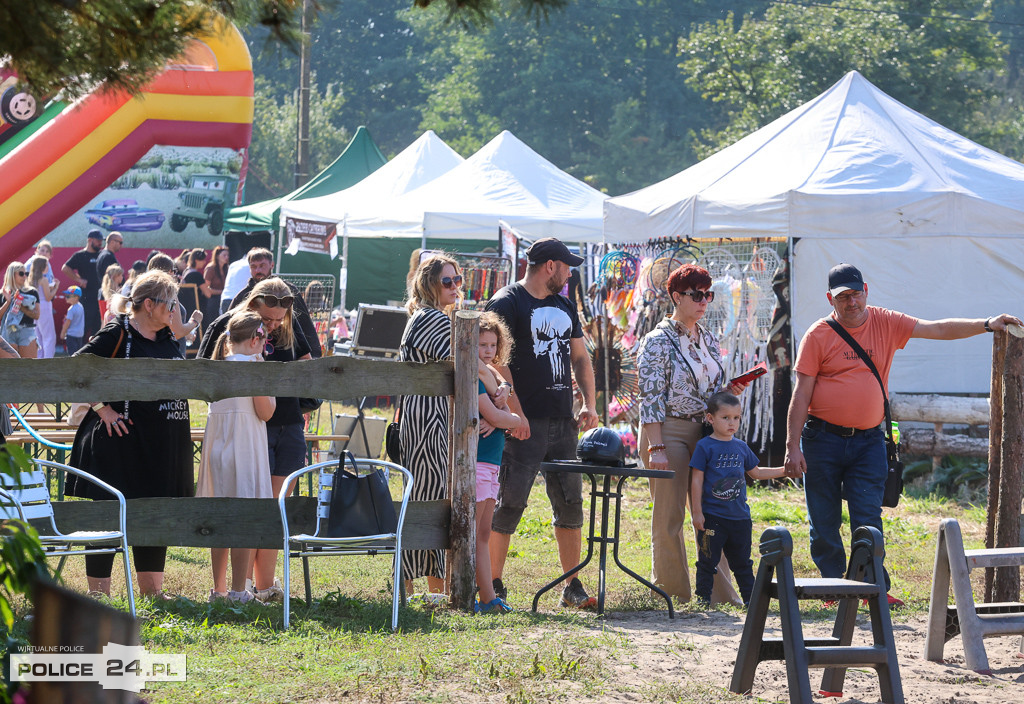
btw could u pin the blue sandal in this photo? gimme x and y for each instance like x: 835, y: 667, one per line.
x: 497, y: 606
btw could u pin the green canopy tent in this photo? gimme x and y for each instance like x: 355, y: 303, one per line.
x: 360, y: 159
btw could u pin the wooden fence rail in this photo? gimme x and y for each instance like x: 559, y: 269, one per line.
x: 256, y: 523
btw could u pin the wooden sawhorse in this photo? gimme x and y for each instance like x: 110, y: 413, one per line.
x: 974, y: 622
x: 864, y: 580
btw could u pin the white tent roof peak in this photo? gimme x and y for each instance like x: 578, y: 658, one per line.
x: 421, y: 162
x: 506, y: 180
x: 852, y: 161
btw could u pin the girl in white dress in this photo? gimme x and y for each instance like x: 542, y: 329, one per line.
x: 235, y: 459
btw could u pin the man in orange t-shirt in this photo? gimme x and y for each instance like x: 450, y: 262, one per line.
x: 833, y: 427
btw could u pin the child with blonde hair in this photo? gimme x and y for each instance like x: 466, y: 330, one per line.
x: 236, y: 460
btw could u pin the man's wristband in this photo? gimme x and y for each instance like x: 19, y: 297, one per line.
x: 988, y: 327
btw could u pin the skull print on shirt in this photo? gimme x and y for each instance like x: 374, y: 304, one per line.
x: 551, y: 329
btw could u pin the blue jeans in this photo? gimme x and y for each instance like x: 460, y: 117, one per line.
x: 838, y: 468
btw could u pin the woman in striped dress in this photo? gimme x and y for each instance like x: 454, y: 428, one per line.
x: 434, y: 289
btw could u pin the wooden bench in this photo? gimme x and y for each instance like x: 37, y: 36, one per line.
x: 775, y: 580
x: 975, y: 622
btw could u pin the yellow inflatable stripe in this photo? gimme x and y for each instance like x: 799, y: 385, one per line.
x: 115, y: 129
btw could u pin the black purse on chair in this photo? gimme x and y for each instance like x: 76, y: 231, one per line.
x: 360, y: 505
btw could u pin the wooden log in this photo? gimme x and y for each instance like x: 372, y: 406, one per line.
x: 922, y: 441
x: 465, y: 425
x: 90, y: 379
x: 995, y: 436
x: 68, y: 622
x: 235, y: 523
x: 1006, y: 583
x: 935, y: 408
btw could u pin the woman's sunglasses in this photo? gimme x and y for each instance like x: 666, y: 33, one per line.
x: 451, y: 281
x: 21, y: 273
x: 699, y: 296
x: 171, y: 304
x: 272, y: 301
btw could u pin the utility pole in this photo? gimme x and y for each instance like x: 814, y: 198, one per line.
x: 302, y: 152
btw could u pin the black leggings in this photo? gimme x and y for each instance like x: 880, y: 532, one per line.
x: 147, y: 559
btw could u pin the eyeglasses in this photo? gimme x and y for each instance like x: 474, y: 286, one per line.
x: 699, y: 296
x: 451, y: 281
x: 21, y: 273
x: 171, y: 304
x: 272, y: 301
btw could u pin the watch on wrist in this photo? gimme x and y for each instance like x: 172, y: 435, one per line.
x: 988, y: 326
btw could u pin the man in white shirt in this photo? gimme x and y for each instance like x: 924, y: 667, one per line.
x: 235, y: 281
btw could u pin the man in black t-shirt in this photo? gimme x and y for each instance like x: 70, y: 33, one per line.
x: 108, y: 257
x: 548, y: 347
x: 81, y: 269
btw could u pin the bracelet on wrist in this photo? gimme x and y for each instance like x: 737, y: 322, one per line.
x: 656, y: 448
x: 988, y: 325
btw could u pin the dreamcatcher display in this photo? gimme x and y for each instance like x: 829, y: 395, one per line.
x: 623, y: 380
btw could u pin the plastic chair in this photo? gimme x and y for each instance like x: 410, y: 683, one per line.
x: 317, y: 544
x: 27, y: 498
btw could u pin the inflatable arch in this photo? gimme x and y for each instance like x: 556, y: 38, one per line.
x: 203, y: 99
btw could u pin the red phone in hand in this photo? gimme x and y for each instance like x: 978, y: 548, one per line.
x: 759, y: 369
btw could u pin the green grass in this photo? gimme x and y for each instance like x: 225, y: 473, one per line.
x: 341, y: 647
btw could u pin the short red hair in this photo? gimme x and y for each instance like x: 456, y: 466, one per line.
x: 689, y: 277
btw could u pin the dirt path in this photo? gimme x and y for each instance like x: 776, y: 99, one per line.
x: 699, y: 650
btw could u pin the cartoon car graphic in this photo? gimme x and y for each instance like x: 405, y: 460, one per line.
x: 204, y: 202
x: 125, y: 215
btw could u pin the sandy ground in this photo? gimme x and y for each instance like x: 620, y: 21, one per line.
x: 702, y: 647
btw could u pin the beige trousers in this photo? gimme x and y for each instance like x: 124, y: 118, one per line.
x: 669, y: 567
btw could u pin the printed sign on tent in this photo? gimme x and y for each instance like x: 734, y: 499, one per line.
x: 312, y: 236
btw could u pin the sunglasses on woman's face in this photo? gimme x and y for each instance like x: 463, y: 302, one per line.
x: 699, y: 296
x: 21, y: 273
x: 451, y: 281
x: 171, y: 304
x: 272, y: 301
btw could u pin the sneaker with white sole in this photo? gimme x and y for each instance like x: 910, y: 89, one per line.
x: 242, y: 597
x: 576, y: 597
x: 275, y: 592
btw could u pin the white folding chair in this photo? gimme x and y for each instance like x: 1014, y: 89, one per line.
x: 27, y: 497
x: 317, y: 544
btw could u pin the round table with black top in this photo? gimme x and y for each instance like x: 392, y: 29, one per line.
x: 604, y: 493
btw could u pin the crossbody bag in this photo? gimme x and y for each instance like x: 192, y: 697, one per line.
x: 894, y: 477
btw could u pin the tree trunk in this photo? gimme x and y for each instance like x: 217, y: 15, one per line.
x: 1006, y: 584
x: 995, y: 432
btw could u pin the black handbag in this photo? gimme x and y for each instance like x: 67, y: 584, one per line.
x: 308, y: 405
x: 392, y: 444
x: 360, y: 505
x: 894, y: 478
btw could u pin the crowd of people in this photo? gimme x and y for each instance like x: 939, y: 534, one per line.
x: 531, y: 351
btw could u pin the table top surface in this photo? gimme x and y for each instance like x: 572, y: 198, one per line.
x: 585, y: 468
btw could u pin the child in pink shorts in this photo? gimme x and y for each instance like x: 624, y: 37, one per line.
x: 495, y: 345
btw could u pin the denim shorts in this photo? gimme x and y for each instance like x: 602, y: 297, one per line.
x: 287, y: 448
x: 20, y: 336
x: 550, y: 439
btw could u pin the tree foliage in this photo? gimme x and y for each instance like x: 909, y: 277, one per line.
x: 758, y: 69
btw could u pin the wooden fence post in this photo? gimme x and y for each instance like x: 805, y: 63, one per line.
x: 995, y: 432
x: 465, y: 423
x: 1006, y: 583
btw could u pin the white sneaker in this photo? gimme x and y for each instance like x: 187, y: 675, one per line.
x: 274, y: 592
x: 242, y: 597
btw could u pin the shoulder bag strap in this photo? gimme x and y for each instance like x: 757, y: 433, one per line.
x: 842, y: 332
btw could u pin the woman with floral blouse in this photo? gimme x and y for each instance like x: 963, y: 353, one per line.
x: 680, y: 367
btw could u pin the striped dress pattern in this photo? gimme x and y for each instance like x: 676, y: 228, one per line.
x: 424, y: 430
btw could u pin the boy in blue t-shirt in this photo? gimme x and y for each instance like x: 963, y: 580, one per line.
x: 73, y: 329
x: 718, y: 492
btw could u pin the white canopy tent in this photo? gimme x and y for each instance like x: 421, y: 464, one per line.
x: 935, y: 221
x: 418, y: 164
x: 505, y: 180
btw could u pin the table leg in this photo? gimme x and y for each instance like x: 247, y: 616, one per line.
x: 590, y: 549
x: 615, y: 552
x: 603, y: 560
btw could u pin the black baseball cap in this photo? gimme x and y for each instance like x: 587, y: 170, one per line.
x: 549, y: 249
x: 95, y: 234
x: 844, y: 277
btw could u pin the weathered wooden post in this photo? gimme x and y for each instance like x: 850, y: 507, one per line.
x: 995, y: 432
x: 462, y: 550
x: 1006, y: 583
